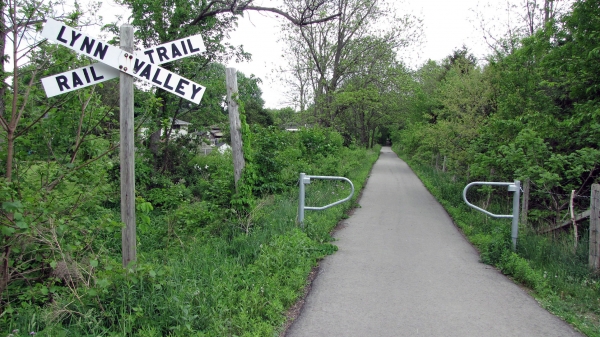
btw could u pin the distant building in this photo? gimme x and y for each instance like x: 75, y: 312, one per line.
x: 180, y: 128
x: 215, y: 135
x: 213, y: 138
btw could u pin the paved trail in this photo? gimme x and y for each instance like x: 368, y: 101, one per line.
x: 403, y: 269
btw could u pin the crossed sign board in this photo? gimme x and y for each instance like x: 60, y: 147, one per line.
x: 142, y: 65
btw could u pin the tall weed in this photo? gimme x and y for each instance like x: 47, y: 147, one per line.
x: 202, y: 269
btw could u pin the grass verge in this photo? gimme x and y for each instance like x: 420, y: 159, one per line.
x: 555, y: 275
x: 229, y: 279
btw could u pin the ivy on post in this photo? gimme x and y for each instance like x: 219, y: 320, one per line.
x: 235, y: 125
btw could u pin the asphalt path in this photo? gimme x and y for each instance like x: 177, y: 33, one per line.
x: 404, y: 269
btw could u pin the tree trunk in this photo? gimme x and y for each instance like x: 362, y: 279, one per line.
x: 154, y: 141
x: 548, y: 10
x: 2, y: 53
x: 4, y: 270
x: 372, y: 138
x: 10, y: 144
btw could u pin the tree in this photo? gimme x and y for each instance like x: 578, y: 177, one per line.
x: 213, y: 20
x: 285, y: 117
x: 336, y: 50
x: 45, y: 143
x: 371, y: 98
x: 503, y: 33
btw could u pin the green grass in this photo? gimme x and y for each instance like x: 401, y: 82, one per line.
x: 557, y: 276
x: 229, y: 278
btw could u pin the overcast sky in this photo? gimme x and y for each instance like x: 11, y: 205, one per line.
x: 447, y: 26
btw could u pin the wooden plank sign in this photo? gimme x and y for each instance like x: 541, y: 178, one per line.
x: 99, y: 72
x: 78, y: 78
x: 144, y: 67
x: 126, y: 64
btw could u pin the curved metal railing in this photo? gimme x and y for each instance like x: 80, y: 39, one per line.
x: 305, y: 180
x: 512, y: 187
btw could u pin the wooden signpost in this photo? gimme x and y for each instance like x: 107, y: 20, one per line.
x: 127, y: 64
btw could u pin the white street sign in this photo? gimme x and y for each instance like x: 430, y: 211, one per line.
x: 143, y: 65
x: 168, y: 52
x: 78, y: 78
x: 174, y: 50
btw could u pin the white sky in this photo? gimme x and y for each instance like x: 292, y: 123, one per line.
x: 447, y: 26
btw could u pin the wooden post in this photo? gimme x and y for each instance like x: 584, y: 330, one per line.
x: 525, y: 204
x: 235, y: 125
x: 594, y: 260
x: 127, y: 156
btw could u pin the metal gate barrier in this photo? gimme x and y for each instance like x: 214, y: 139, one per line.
x: 305, y: 180
x: 512, y: 187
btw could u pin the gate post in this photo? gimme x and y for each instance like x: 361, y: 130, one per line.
x: 301, y: 199
x: 515, y: 217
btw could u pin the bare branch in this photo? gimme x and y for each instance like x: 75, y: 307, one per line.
x: 57, y: 104
x: 53, y: 184
x: 234, y: 8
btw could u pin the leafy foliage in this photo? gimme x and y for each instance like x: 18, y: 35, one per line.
x: 529, y: 113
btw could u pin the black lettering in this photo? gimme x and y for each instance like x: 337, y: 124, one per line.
x: 166, y: 85
x: 137, y: 65
x: 87, y: 77
x: 174, y: 51
x: 76, y: 80
x: 60, y: 38
x: 184, y: 49
x: 155, y: 77
x: 146, y: 72
x: 180, y: 85
x: 96, y: 78
x: 62, y: 82
x: 195, y: 91
x: 192, y: 49
x: 74, y: 37
x: 162, y: 52
x: 87, y: 45
x: 101, y: 51
x: 149, y: 53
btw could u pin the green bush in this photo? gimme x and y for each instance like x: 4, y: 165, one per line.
x: 204, y: 268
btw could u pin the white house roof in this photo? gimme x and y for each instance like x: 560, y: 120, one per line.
x: 179, y: 122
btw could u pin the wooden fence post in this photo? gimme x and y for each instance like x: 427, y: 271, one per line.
x: 594, y: 260
x: 235, y: 125
x: 525, y: 203
x: 127, y: 156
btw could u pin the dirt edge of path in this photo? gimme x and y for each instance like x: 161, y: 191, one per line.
x: 295, y: 310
